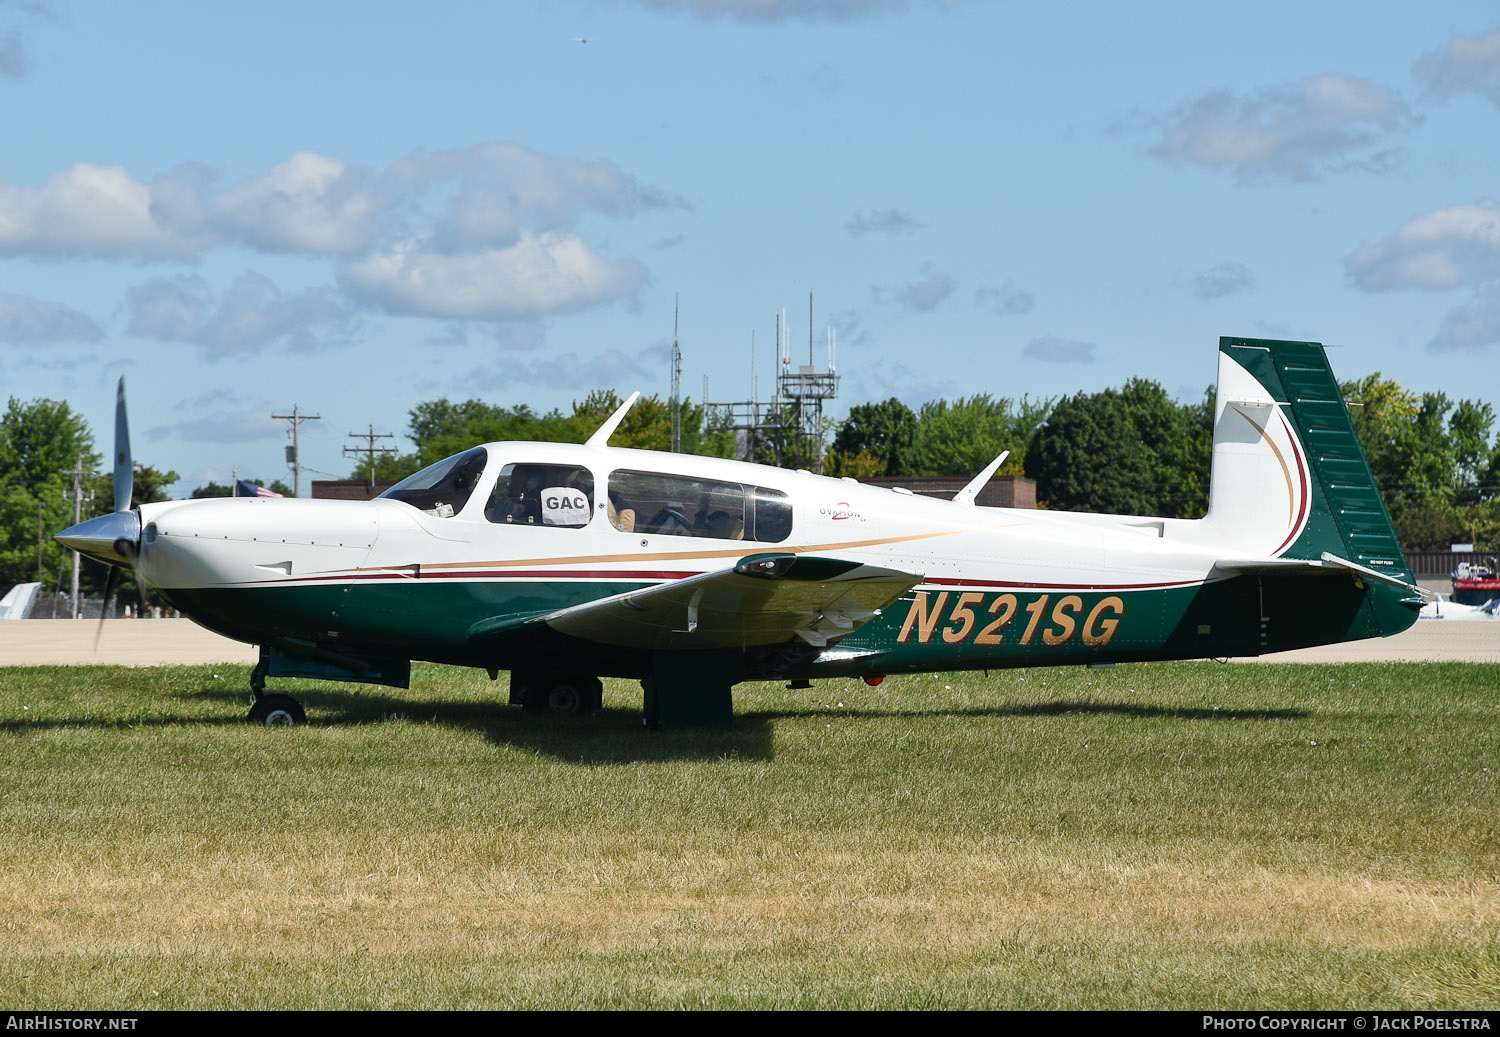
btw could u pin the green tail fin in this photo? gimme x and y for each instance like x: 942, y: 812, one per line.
x: 1342, y: 510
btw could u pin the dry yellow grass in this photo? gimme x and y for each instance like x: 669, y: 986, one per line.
x: 326, y: 902
x: 1164, y: 836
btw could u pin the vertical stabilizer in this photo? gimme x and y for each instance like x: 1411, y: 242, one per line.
x: 1289, y: 478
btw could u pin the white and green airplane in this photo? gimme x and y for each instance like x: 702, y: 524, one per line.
x: 565, y: 563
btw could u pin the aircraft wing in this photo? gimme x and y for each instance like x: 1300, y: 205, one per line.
x: 1327, y: 565
x: 766, y: 599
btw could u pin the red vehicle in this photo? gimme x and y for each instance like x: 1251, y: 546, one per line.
x: 1475, y: 583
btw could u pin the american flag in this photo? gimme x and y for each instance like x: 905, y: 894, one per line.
x: 242, y: 488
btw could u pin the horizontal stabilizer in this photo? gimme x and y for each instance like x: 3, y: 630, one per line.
x: 766, y: 599
x: 1327, y: 565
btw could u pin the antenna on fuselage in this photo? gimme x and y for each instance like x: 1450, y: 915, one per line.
x: 969, y: 492
x: 601, y: 438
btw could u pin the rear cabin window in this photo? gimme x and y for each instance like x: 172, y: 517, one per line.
x: 676, y: 505
x: 443, y: 488
x: 542, y: 495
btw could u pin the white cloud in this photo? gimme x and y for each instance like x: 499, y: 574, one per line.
x: 253, y: 313
x: 482, y: 233
x: 1221, y: 280
x: 88, y: 211
x: 541, y: 273
x: 1449, y: 248
x: 1006, y: 300
x: 1056, y: 350
x: 881, y: 221
x: 309, y: 203
x: 31, y: 321
x: 1464, y: 65
x: 504, y: 189
x: 1294, y: 131
x: 1473, y: 326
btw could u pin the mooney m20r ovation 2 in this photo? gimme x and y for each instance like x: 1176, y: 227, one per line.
x: 564, y: 563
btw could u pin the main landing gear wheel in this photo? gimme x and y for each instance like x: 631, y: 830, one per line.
x: 277, y: 711
x: 563, y: 693
x: 565, y: 698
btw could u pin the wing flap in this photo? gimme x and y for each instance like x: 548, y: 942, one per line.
x: 765, y: 599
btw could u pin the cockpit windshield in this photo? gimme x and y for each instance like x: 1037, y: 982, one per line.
x: 443, y: 488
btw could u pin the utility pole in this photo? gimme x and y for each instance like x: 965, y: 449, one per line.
x: 294, y: 452
x: 372, y: 449
x: 38, y: 542
x: 78, y: 476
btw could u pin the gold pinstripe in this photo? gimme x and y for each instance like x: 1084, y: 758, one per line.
x: 1291, y: 495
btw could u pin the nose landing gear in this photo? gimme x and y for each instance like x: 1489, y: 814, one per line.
x: 277, y: 711
x: 271, y: 710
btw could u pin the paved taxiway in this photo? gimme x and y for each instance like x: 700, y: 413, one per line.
x: 155, y: 642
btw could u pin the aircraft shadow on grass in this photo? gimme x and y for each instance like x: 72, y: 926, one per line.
x: 613, y: 735
x: 1047, y: 709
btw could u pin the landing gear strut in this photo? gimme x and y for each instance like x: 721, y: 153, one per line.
x: 271, y: 710
x: 260, y: 673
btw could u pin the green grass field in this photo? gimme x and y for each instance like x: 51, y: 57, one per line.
x: 1178, y: 836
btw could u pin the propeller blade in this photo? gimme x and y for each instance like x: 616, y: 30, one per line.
x: 124, y: 469
x: 109, y: 587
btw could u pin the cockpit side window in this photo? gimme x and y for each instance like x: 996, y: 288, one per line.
x: 542, y: 495
x: 677, y: 505
x: 444, y: 488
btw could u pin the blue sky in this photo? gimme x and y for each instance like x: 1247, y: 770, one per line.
x: 354, y: 207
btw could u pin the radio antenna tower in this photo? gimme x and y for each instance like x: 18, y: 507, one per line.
x: 676, y: 384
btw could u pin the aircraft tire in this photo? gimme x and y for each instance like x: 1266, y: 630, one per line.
x: 566, y: 696
x: 563, y: 693
x: 277, y: 711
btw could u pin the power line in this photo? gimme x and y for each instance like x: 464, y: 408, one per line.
x: 371, y: 436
